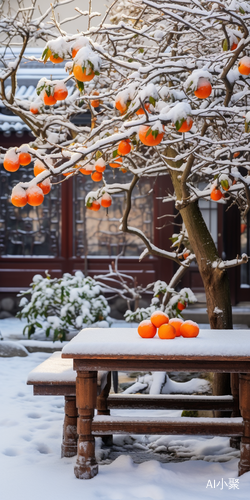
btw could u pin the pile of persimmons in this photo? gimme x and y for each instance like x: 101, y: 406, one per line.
x: 167, y: 328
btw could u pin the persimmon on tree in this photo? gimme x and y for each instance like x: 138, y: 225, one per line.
x: 172, y: 80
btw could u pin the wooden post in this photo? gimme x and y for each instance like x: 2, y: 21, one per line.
x: 244, y: 464
x: 234, y: 382
x: 69, y: 442
x: 86, y: 392
x: 102, y: 407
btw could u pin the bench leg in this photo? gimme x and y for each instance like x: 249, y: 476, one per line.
x: 102, y: 407
x: 86, y: 392
x: 69, y: 442
x: 234, y: 382
x: 244, y: 464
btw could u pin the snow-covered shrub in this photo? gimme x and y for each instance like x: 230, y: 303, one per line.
x: 60, y: 305
x: 177, y: 301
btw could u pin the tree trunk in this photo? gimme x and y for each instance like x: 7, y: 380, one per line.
x: 215, y: 280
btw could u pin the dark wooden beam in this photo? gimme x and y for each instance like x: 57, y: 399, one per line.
x: 148, y: 402
x: 216, y: 427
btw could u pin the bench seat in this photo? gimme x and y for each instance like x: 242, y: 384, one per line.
x: 56, y: 377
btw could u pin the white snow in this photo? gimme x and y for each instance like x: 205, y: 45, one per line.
x: 30, y: 449
x: 247, y: 117
x: 160, y: 383
x: 217, y: 310
x: 18, y: 191
x: 31, y: 467
x: 193, y: 79
x: 53, y: 369
x: 180, y: 111
x: 59, y: 46
x: 85, y: 55
x: 208, y: 343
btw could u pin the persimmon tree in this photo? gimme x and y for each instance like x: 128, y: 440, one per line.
x: 170, y: 98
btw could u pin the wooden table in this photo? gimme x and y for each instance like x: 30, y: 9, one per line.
x: 112, y: 349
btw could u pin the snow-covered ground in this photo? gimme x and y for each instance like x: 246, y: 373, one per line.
x: 31, y: 467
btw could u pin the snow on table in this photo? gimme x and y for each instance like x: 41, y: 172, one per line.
x: 56, y: 370
x: 53, y: 369
x: 127, y: 342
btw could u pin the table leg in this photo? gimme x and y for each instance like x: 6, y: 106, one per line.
x: 69, y: 442
x: 102, y: 407
x: 234, y: 382
x: 86, y: 392
x: 244, y: 393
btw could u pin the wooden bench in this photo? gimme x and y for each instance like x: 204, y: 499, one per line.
x: 56, y: 377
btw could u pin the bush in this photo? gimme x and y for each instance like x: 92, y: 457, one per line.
x: 175, y: 300
x: 61, y: 305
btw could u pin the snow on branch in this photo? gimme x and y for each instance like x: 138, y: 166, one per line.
x: 231, y: 263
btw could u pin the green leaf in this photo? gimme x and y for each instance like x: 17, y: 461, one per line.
x: 38, y: 91
x: 48, y: 91
x: 179, y: 123
x: 31, y: 330
x: 80, y: 85
x: 91, y: 65
x: 174, y: 239
x: 225, y: 184
x: 141, y: 50
x: 56, y: 56
x: 247, y: 127
x: 155, y: 133
x: 115, y: 153
x: 47, y: 332
x: 56, y: 332
x: 97, y: 73
x: 225, y: 45
x: 130, y: 60
x: 98, y: 155
x: 241, y: 10
x: 46, y: 54
x: 148, y: 132
x: 38, y: 324
x: 25, y: 328
x: 152, y: 101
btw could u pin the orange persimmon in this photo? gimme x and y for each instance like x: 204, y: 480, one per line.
x: 150, y: 137
x: 146, y: 329
x: 159, y: 318
x: 166, y: 331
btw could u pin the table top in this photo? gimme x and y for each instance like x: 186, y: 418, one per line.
x: 107, y: 343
